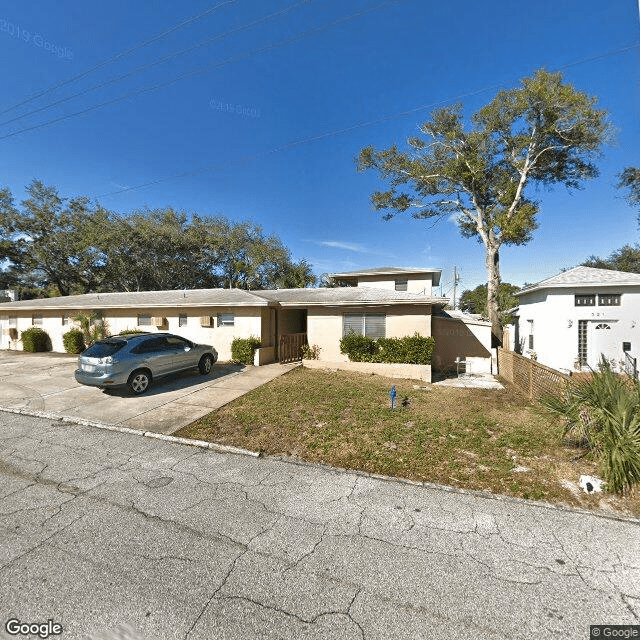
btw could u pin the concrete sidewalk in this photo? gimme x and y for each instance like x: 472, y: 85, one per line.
x: 45, y: 382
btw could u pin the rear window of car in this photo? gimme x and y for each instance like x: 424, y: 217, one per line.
x: 104, y: 349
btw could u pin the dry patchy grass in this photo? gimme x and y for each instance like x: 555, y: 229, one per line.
x: 469, y: 438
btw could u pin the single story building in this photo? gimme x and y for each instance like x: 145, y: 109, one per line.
x: 385, y: 302
x: 570, y: 320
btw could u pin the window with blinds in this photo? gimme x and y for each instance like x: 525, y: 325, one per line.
x: 365, y: 324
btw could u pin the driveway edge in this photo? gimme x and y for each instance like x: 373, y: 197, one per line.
x: 220, y: 448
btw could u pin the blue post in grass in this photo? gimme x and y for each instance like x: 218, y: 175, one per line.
x: 392, y: 393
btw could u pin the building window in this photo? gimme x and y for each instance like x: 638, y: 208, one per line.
x: 65, y: 321
x: 226, y: 319
x: 144, y: 321
x: 530, y: 334
x: 13, y: 321
x: 603, y: 326
x: 36, y: 321
x: 588, y: 300
x: 182, y: 320
x: 372, y: 325
x: 582, y: 342
x: 401, y: 285
x: 609, y: 299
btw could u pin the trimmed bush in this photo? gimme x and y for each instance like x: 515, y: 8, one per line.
x: 415, y: 349
x: 73, y: 341
x: 242, y: 349
x: 125, y: 332
x: 311, y: 352
x: 35, y: 339
x: 358, y: 348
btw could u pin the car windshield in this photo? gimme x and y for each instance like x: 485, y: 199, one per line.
x: 104, y: 348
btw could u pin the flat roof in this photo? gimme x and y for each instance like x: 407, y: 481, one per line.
x: 390, y: 271
x: 300, y: 297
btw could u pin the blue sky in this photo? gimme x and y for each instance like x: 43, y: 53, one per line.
x: 241, y: 98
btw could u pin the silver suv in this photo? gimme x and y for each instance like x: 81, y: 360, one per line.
x: 136, y: 359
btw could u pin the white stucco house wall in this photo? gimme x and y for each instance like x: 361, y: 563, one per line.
x: 382, y: 308
x: 567, y: 321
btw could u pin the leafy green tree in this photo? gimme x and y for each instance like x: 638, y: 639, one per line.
x: 544, y: 132
x: 62, y: 247
x: 630, y: 179
x: 49, y: 243
x: 475, y: 301
x: 626, y: 258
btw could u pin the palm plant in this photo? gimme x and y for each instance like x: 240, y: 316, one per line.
x: 603, y: 416
x: 93, y: 326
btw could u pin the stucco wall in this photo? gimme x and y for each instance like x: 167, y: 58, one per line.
x: 324, y: 326
x: 555, y: 325
x: 247, y: 322
x: 457, y: 339
x: 409, y: 371
x: 415, y: 284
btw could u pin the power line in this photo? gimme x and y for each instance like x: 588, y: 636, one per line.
x: 121, y: 54
x: 353, y: 127
x: 209, y: 67
x: 158, y: 61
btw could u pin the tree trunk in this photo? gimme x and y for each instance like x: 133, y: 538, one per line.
x: 492, y: 260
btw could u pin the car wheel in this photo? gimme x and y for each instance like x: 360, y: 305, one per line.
x: 205, y: 364
x: 139, y: 381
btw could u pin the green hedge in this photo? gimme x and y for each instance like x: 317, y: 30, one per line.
x: 242, y: 349
x: 73, y: 341
x: 35, y: 339
x: 415, y: 349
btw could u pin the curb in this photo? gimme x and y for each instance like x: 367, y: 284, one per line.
x: 220, y: 448
x: 476, y: 493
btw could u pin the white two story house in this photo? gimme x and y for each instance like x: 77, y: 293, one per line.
x: 568, y: 321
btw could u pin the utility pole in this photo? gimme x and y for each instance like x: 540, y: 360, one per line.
x: 456, y: 279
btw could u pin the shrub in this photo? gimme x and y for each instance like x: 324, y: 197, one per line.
x: 415, y: 349
x: 242, y: 349
x: 35, y: 339
x: 602, y: 415
x: 93, y: 326
x: 125, y: 332
x: 310, y: 353
x: 73, y: 341
x: 359, y: 348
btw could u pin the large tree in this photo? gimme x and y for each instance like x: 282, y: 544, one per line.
x: 630, y: 179
x: 626, y: 258
x: 475, y: 301
x: 543, y: 132
x: 72, y: 246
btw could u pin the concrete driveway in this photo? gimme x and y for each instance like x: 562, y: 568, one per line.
x: 45, y: 382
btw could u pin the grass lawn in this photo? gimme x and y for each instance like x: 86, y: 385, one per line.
x: 469, y: 438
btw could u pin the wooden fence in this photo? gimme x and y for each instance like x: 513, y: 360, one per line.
x: 290, y: 347
x: 532, y: 378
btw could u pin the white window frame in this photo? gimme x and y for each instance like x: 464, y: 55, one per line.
x: 609, y: 299
x: 402, y: 284
x: 183, y: 318
x: 144, y: 323
x: 37, y: 320
x: 350, y: 319
x: 226, y: 319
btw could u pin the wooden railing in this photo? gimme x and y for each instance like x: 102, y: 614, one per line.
x: 290, y: 347
x: 531, y: 377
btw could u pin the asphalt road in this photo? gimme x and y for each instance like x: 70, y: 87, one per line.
x: 114, y: 535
